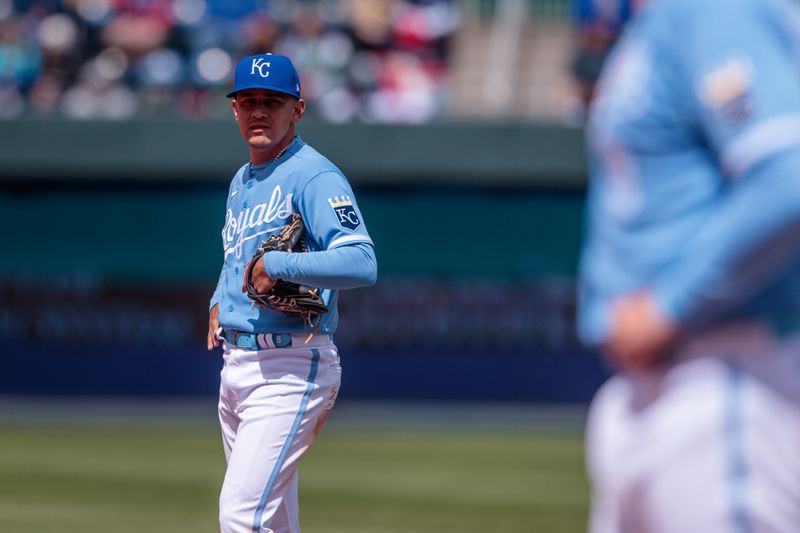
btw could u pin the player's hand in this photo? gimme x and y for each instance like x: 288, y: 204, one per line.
x: 213, y: 326
x: 641, y: 333
x: 261, y: 280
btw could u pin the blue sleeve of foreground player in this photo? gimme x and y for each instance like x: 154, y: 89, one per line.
x: 344, y: 267
x: 754, y: 234
x: 748, y: 105
x: 746, y: 82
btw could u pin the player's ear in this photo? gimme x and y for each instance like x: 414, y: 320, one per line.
x: 299, y: 109
x: 235, y: 109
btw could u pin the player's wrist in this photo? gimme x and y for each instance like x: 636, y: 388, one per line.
x: 271, y: 263
x: 670, y: 305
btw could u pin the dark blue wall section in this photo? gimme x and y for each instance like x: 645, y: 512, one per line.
x: 498, y: 376
x: 144, y: 370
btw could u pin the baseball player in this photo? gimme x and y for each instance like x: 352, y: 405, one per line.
x: 690, y: 274
x: 280, y: 378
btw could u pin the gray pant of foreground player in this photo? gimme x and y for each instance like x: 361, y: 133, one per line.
x: 710, y: 446
x: 273, y: 404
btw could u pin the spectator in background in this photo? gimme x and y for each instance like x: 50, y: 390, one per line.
x: 60, y: 42
x: 324, y: 50
x: 371, y: 60
x: 20, y: 63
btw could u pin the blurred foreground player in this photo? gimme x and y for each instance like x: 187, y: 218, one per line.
x: 281, y: 374
x: 690, y: 279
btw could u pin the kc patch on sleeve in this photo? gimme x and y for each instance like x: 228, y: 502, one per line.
x: 726, y: 88
x: 345, y: 212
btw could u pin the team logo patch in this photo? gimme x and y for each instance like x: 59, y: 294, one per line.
x: 726, y: 89
x: 345, y: 212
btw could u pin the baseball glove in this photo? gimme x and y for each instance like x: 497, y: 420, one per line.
x: 285, y: 296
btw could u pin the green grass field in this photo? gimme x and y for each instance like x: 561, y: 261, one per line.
x: 358, y: 478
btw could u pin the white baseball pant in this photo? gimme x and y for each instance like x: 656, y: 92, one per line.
x: 712, y: 445
x: 273, y: 404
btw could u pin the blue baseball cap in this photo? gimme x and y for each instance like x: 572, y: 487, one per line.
x: 271, y: 72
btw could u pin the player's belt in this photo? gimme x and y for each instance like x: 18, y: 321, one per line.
x: 266, y: 341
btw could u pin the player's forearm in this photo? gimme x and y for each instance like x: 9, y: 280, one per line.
x: 746, y: 244
x: 215, y: 298
x: 345, y: 267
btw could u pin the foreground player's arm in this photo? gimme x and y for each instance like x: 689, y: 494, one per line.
x: 345, y: 267
x: 640, y: 333
x: 753, y: 235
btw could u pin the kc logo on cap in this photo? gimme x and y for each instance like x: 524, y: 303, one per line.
x: 259, y: 64
x: 270, y: 72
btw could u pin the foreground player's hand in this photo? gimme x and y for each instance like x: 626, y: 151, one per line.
x: 261, y: 280
x: 213, y: 326
x: 640, y: 333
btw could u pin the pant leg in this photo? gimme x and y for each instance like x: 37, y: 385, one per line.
x: 769, y: 442
x: 284, y: 395
x: 227, y: 405
x: 610, y: 443
x: 229, y: 425
x: 705, y: 447
x: 287, y: 516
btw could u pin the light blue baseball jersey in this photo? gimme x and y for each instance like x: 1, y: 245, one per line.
x: 694, y: 142
x: 260, y: 200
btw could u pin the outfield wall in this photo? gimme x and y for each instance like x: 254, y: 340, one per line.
x: 446, y: 153
x: 477, y: 240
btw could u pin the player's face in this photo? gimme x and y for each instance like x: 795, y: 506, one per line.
x: 266, y: 118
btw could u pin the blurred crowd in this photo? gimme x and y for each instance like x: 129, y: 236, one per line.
x: 369, y: 60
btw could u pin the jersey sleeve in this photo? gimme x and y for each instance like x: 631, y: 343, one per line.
x: 748, y: 82
x: 343, y: 267
x: 215, y: 298
x: 217, y: 295
x: 743, y: 68
x: 331, y: 214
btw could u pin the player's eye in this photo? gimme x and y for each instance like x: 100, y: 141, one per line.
x: 272, y: 103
